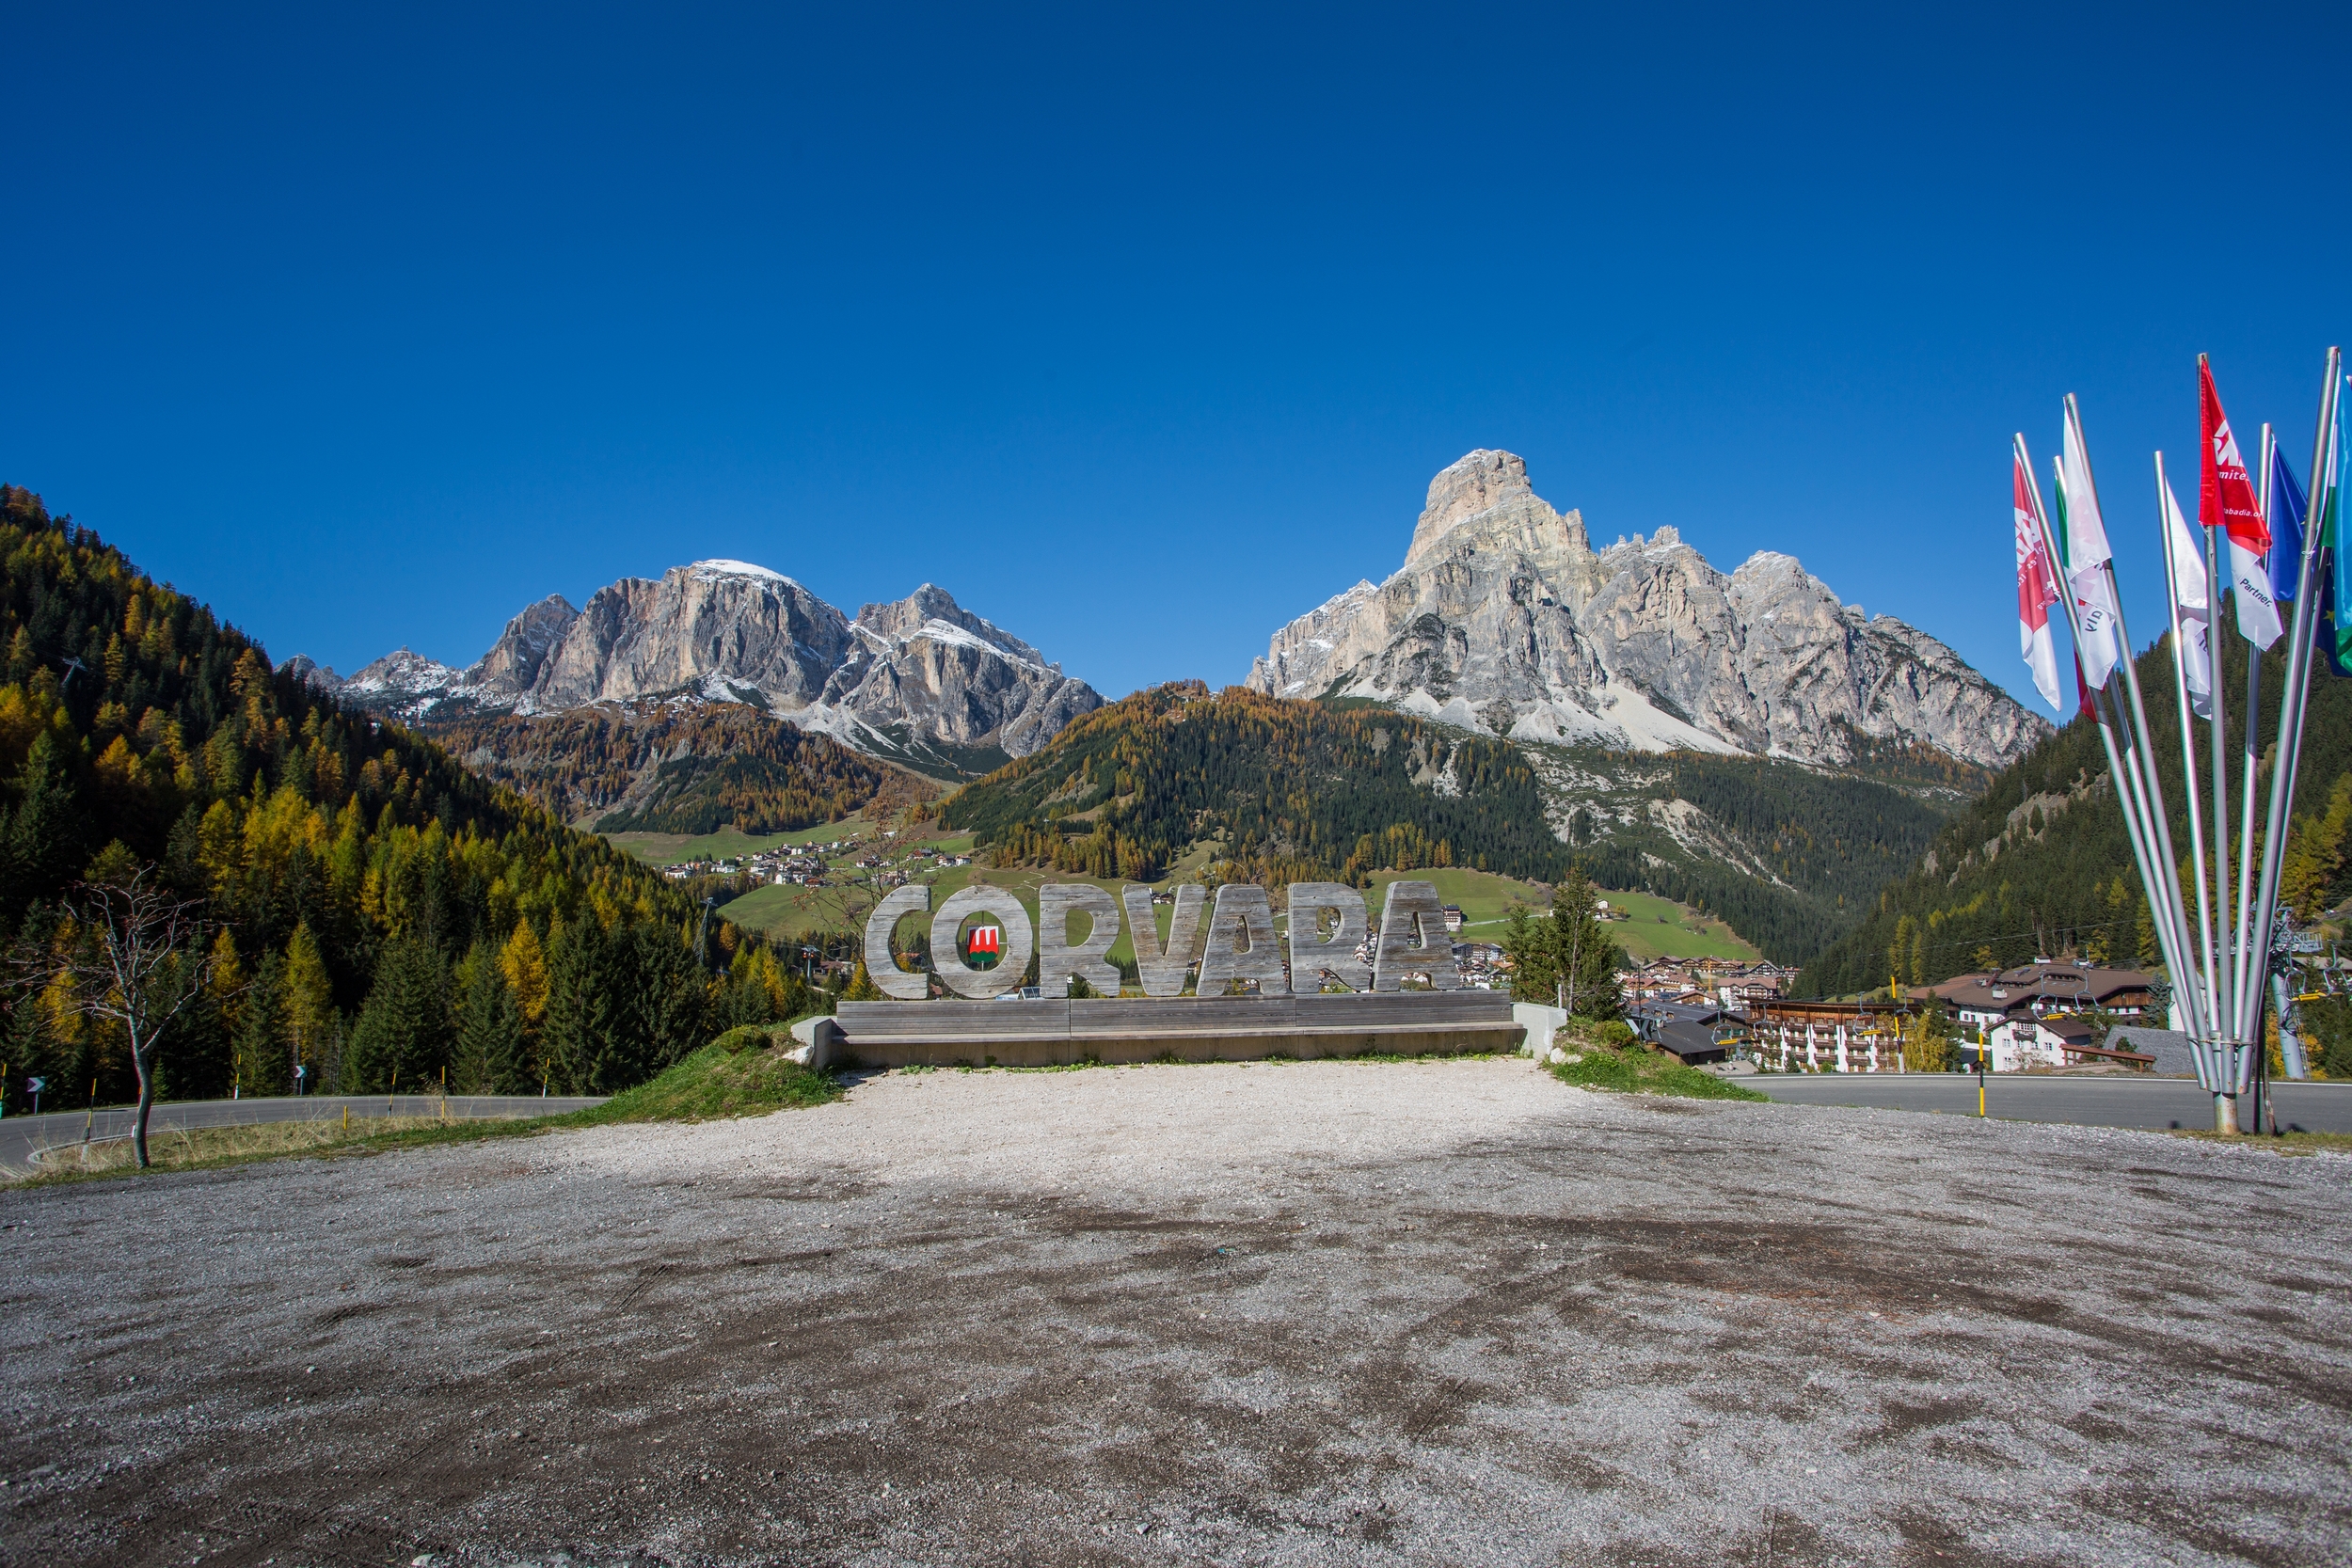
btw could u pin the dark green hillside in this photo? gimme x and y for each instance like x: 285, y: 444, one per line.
x: 1799, y: 856
x: 1290, y: 790
x: 2041, y: 860
x: 387, y: 916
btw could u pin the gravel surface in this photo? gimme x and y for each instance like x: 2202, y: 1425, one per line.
x: 1312, y: 1312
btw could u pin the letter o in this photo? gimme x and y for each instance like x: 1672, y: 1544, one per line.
x: 947, y: 961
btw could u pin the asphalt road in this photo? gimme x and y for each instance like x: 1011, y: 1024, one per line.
x: 21, y: 1135
x: 2155, y: 1103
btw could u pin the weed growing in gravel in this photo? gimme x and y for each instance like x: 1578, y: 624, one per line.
x: 1638, y: 1070
x: 203, y: 1148
x: 725, y: 1078
x: 2276, y: 1143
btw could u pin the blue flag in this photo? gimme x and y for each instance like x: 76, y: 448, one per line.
x: 2286, y: 527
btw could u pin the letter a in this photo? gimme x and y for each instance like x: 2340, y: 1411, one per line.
x: 1428, y: 950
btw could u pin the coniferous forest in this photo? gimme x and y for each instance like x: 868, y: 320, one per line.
x: 378, y: 917
x: 1292, y: 791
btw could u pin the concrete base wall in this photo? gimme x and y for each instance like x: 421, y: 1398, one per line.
x: 1055, y: 1034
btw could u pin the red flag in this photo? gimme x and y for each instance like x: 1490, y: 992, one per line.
x: 2225, y: 498
x: 2037, y: 586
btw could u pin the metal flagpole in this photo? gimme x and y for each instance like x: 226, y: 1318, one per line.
x: 2139, y: 747
x: 2242, y: 982
x: 2297, y: 696
x: 2225, y: 1003
x: 2199, y: 1014
x: 2125, y: 785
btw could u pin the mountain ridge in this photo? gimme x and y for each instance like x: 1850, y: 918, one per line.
x: 1504, y: 619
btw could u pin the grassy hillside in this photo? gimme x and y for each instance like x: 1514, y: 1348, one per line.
x: 1791, y: 857
x: 2041, y: 861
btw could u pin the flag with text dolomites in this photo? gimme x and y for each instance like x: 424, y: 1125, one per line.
x: 2226, y: 500
x: 2037, y: 590
x: 2087, y: 556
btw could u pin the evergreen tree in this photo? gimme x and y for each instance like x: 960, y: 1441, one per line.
x: 489, y: 1053
x: 264, y: 1066
x: 46, y: 830
x: 31, y: 1051
x: 406, y: 1030
x: 580, y: 1006
x: 309, y: 1004
x: 861, y: 987
x: 661, y: 1006
x: 1568, y: 957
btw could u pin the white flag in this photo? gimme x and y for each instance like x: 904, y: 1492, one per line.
x: 2257, y: 612
x: 2087, y: 556
x: 2190, y: 595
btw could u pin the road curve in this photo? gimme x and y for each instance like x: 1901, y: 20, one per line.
x: 2157, y: 1104
x: 20, y: 1136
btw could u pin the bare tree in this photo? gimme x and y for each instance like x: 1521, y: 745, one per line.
x: 143, y: 958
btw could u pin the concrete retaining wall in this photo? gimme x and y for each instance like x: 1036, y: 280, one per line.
x: 1048, y: 1034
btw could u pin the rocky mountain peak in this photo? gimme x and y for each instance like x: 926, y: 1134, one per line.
x: 1503, y: 618
x: 513, y: 661
x: 914, y: 615
x: 404, y: 672
x: 1463, y: 489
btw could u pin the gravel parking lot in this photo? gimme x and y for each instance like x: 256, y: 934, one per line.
x: 1312, y: 1312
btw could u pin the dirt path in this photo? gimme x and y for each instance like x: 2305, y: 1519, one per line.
x: 1305, y: 1313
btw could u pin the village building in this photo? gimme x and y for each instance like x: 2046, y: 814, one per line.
x: 2042, y: 990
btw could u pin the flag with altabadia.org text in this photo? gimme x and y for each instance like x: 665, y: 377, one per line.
x: 2037, y: 591
x: 2192, y: 603
x: 2226, y: 500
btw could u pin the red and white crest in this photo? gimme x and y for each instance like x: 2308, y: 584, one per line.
x: 2226, y: 499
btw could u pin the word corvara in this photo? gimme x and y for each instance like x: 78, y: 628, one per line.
x: 1328, y: 928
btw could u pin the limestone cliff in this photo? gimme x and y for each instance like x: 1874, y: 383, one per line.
x: 1504, y: 618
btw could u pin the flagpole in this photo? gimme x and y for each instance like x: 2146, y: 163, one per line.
x: 2225, y: 999
x: 2297, y: 696
x: 2242, y: 983
x: 2125, y: 785
x: 2139, y: 746
x: 2199, y: 1014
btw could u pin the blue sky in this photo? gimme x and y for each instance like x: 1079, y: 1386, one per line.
x: 1140, y: 333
